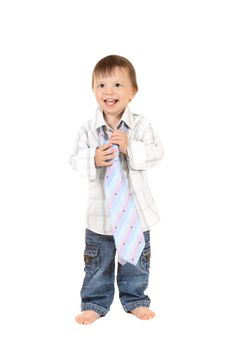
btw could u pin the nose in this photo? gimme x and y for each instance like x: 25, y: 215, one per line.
x: 108, y: 90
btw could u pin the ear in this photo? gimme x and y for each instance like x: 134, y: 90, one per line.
x: 132, y: 94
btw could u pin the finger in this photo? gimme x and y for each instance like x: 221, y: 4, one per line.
x: 116, y: 137
x: 104, y: 163
x: 110, y: 151
x: 108, y: 164
x: 118, y: 132
x: 116, y: 141
x: 106, y: 146
x: 110, y: 157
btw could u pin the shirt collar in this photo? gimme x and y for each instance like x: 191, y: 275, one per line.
x: 100, y: 121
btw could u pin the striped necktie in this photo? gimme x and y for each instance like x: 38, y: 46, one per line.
x: 126, y: 225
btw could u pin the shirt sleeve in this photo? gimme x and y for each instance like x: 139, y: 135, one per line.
x: 83, y: 157
x: 147, y: 153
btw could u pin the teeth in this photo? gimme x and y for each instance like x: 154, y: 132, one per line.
x: 110, y: 101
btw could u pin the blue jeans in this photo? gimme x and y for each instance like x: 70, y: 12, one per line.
x: 98, y: 286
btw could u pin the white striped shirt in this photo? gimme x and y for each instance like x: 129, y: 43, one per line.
x: 143, y: 152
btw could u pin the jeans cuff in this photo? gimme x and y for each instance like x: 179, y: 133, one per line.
x: 97, y: 308
x: 135, y: 304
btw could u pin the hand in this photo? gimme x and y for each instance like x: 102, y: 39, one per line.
x: 104, y: 155
x: 120, y: 138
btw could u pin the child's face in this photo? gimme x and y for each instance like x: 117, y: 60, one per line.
x: 114, y: 92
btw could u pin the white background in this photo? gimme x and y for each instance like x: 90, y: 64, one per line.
x: 182, y: 52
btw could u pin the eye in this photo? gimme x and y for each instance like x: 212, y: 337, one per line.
x: 100, y: 85
x: 118, y: 85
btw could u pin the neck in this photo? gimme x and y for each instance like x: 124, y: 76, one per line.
x: 112, y: 120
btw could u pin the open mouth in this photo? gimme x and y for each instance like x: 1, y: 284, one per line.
x: 110, y: 101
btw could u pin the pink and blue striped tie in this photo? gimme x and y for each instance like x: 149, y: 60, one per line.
x: 126, y: 224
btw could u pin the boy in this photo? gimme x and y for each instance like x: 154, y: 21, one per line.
x: 113, y: 150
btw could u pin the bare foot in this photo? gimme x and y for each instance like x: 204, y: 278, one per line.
x: 144, y: 313
x: 87, y: 317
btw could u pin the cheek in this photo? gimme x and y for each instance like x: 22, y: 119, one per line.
x: 97, y: 95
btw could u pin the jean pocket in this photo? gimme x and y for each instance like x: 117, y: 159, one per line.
x: 145, y: 259
x: 91, y: 259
